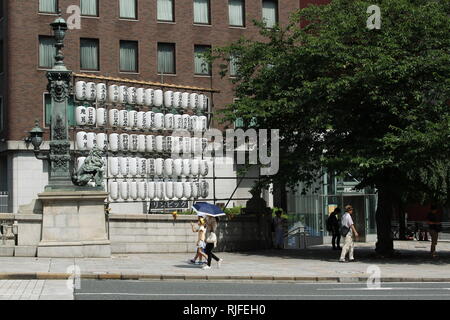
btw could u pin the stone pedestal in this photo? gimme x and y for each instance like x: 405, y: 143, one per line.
x: 73, y: 225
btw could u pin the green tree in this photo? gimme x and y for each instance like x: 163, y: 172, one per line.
x: 371, y: 102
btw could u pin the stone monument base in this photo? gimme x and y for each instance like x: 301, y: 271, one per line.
x: 73, y: 225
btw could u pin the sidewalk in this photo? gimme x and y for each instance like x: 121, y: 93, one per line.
x: 35, y: 290
x: 318, y: 263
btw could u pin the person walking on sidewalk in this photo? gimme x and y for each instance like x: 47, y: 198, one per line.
x: 434, y: 225
x: 200, y: 244
x: 277, y: 224
x: 347, y: 231
x: 333, y: 227
x: 211, y: 242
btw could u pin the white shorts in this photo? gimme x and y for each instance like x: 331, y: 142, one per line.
x: 201, y: 244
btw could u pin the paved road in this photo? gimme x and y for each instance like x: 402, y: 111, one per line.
x: 35, y: 290
x: 208, y: 290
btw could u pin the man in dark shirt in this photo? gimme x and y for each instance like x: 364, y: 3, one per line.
x: 434, y: 225
x: 333, y: 226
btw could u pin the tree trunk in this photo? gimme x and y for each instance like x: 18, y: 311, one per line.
x: 385, y: 244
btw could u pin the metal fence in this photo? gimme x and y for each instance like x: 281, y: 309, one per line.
x: 4, y: 200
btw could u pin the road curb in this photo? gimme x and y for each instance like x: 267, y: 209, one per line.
x: 131, y: 276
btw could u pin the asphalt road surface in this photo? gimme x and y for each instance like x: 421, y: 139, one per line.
x: 224, y: 290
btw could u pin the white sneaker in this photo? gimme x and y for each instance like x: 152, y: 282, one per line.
x: 342, y: 260
x: 219, y: 263
x: 206, y: 267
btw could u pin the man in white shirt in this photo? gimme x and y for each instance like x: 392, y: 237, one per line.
x: 349, y: 227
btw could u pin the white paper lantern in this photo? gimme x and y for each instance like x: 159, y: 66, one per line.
x: 204, y: 144
x: 142, y: 166
x: 186, y: 167
x: 169, y: 121
x: 91, y: 91
x: 196, y: 145
x: 141, y: 143
x: 133, y: 166
x: 114, y: 142
x: 114, y: 117
x: 186, y: 145
x: 195, y: 186
x: 177, y: 122
x: 204, y: 189
x: 113, y: 166
x: 150, y: 143
x: 158, y: 98
x: 142, y: 190
x: 195, y: 167
x: 81, y: 116
x: 185, y: 100
x: 186, y: 121
x: 159, y: 190
x: 123, y: 94
x: 194, y: 122
x: 91, y: 140
x: 149, y: 122
x: 177, y: 145
x: 132, y: 118
x: 169, y: 189
x: 124, y: 190
x: 140, y: 124
x: 113, y: 93
x: 201, y: 98
x: 151, y: 190
x: 80, y: 90
x: 140, y: 96
x: 159, y: 166
x: 124, y: 142
x: 101, y: 92
x: 168, y: 143
x: 187, y: 190
x: 177, y: 99
x: 133, y: 190
x: 82, y: 141
x: 193, y: 101
x: 202, y: 123
x: 151, y: 167
x: 204, y: 167
x: 131, y: 99
x: 168, y: 99
x: 177, y: 167
x: 114, y: 190
x: 159, y: 121
x: 205, y: 106
x: 148, y: 97
x: 80, y: 161
x: 91, y: 116
x: 178, y: 189
x: 101, y: 117
x: 124, y: 165
x: 159, y: 143
x: 134, y: 143
x: 168, y: 167
x: 124, y: 120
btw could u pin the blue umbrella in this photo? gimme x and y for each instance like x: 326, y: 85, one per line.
x: 207, y: 209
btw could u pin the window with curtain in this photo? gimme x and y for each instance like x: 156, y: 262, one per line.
x: 201, y: 11
x: 128, y: 9
x: 236, y: 13
x: 89, y: 8
x: 129, y: 56
x: 50, y: 6
x: 166, y: 58
x: 165, y: 10
x: 233, y: 65
x: 47, y: 52
x: 201, y: 66
x: 89, y: 54
x: 270, y: 12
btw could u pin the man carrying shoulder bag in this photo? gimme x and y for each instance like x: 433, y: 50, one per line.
x: 347, y: 231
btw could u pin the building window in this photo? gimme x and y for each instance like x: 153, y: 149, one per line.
x: 48, y: 6
x: 201, y: 65
x: 236, y: 13
x: 165, y: 10
x: 128, y: 9
x: 89, y: 54
x: 166, y: 58
x: 89, y: 8
x: 129, y: 56
x: 47, y: 52
x: 202, y: 12
x: 270, y: 12
x: 233, y: 66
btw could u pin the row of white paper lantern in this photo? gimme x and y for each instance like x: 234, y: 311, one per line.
x: 99, y: 92
x: 139, y: 120
x: 135, y: 167
x: 124, y: 142
x: 142, y: 190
